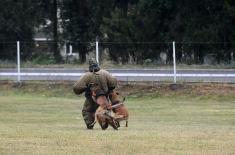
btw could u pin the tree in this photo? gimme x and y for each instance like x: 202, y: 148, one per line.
x: 131, y: 24
x: 144, y: 21
x: 49, y: 11
x: 204, y: 21
x: 17, y: 22
x: 76, y: 25
x: 81, y: 22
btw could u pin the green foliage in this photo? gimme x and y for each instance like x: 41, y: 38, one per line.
x: 17, y: 22
x: 44, y: 59
x: 126, y: 23
x: 164, y: 20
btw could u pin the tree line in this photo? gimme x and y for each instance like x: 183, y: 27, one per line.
x: 129, y: 29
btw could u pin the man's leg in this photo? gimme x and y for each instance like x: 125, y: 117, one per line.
x: 88, y: 112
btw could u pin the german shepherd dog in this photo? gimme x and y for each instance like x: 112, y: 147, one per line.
x: 107, y: 114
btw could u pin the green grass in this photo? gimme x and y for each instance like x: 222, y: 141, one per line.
x: 36, y: 124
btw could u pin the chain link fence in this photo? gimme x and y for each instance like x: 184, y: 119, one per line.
x: 128, y: 60
x: 160, y: 55
x: 120, y: 54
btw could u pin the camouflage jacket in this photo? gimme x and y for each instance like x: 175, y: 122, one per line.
x: 95, y: 80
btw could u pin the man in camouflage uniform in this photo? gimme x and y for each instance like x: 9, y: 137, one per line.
x: 94, y: 79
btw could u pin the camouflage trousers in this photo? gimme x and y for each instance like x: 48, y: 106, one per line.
x: 88, y: 111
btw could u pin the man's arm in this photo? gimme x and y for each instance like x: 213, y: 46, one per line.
x: 81, y: 85
x: 112, y: 81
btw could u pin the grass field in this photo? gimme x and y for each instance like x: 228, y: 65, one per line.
x: 36, y: 124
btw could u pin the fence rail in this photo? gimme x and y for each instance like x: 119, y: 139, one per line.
x: 121, y: 74
x: 174, y: 75
x: 228, y: 78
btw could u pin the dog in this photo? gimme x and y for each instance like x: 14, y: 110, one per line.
x: 103, y: 115
x: 120, y: 111
x: 110, y: 114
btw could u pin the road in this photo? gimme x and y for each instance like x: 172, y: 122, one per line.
x: 189, y: 75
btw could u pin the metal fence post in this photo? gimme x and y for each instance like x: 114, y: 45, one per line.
x: 174, y: 61
x: 70, y: 49
x: 97, y: 51
x: 18, y: 61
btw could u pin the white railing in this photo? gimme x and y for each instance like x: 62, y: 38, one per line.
x: 174, y: 74
x: 121, y: 74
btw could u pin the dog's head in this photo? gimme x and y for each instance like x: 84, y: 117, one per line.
x: 115, y: 97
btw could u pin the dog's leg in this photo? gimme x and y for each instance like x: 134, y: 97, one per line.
x: 92, y: 124
x: 111, y: 120
x: 115, y: 124
x: 121, y: 118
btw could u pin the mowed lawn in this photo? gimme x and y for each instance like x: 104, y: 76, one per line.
x: 34, y: 124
